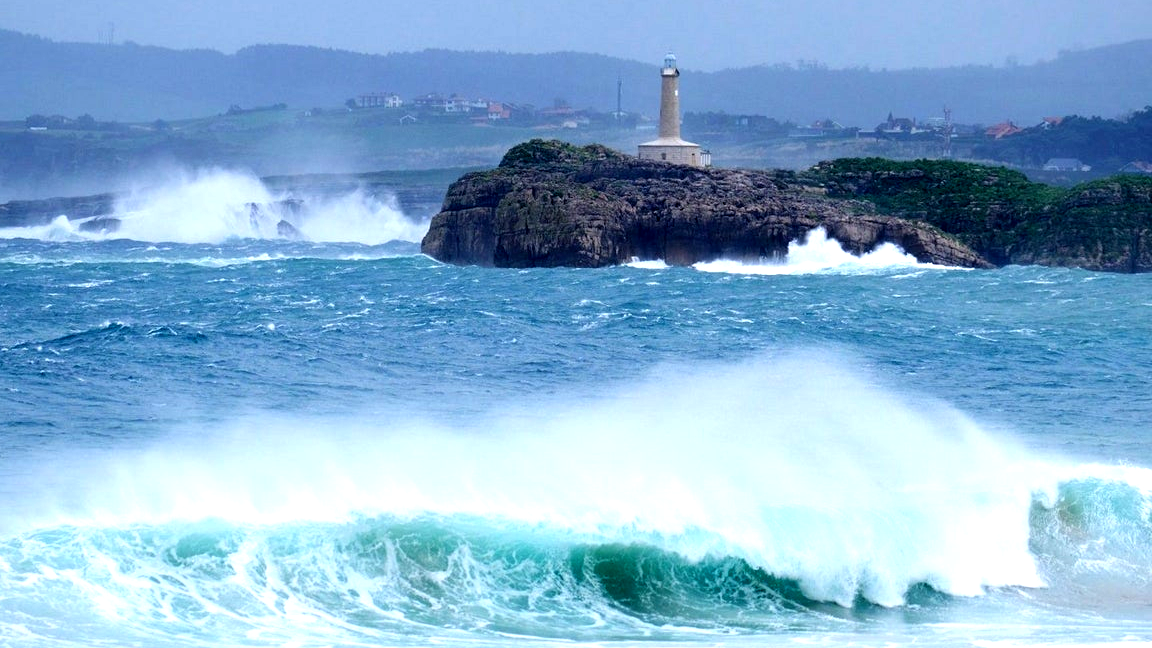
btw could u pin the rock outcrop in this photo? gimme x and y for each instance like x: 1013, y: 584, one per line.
x: 97, y: 214
x: 554, y: 204
x: 28, y: 213
x: 1102, y: 225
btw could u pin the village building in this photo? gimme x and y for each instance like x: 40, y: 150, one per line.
x: 455, y: 104
x: 458, y: 104
x: 431, y: 102
x: 899, y: 126
x: 822, y: 128
x: 379, y: 100
x: 498, y: 111
x: 902, y: 128
x: 1002, y: 130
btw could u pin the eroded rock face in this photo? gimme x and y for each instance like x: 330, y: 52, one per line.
x: 1104, y: 225
x: 27, y: 213
x: 553, y: 204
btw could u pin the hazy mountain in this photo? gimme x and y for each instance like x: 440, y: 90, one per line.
x: 136, y: 83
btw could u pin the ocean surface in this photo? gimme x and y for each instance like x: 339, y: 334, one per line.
x: 214, y: 437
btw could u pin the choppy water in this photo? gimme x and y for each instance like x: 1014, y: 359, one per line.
x: 232, y: 441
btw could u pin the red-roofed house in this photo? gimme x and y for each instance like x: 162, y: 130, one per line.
x: 1002, y: 130
x: 498, y: 111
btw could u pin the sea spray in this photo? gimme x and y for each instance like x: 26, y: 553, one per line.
x: 204, y: 206
x: 213, y: 205
x: 357, y: 217
x: 795, y: 464
x: 59, y: 229
x: 817, y: 253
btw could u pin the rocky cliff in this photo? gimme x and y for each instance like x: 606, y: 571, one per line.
x: 1103, y: 225
x: 554, y: 204
x: 26, y: 213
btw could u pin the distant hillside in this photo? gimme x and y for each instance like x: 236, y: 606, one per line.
x: 135, y: 83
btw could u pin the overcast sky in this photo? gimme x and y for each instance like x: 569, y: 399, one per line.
x: 705, y: 34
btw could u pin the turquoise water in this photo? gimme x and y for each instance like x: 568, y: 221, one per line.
x: 247, y: 442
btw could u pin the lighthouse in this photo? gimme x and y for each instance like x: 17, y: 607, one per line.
x: 669, y: 147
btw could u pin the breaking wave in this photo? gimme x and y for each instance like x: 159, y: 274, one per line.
x: 725, y: 499
x: 215, y: 205
x: 817, y: 253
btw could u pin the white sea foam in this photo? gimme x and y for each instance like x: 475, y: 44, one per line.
x: 59, y: 229
x: 216, y: 205
x: 819, y: 254
x: 798, y: 465
x: 648, y: 265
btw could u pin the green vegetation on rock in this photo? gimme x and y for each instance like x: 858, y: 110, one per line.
x: 541, y: 152
x: 1002, y: 215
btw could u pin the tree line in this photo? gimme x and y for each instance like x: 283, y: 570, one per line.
x: 1105, y: 144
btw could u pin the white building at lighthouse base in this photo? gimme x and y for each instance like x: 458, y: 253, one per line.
x: 675, y: 150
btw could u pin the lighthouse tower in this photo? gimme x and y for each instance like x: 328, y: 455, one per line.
x: 669, y: 147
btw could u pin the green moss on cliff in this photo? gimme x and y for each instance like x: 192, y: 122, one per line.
x: 933, y: 185
x: 551, y: 153
x: 999, y: 212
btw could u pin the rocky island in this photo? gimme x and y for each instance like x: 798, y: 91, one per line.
x: 555, y: 204
x: 550, y: 203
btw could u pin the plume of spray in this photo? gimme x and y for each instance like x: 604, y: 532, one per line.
x: 359, y: 218
x: 818, y: 253
x: 796, y: 464
x: 216, y: 205
x: 208, y: 206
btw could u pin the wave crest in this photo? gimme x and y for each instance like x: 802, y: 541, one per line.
x: 798, y: 466
x: 382, y: 577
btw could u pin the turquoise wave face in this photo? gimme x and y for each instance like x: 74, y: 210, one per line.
x: 1098, y: 534
x: 379, y: 577
x: 416, y: 579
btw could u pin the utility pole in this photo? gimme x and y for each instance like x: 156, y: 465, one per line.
x: 619, y: 97
x: 947, y: 133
